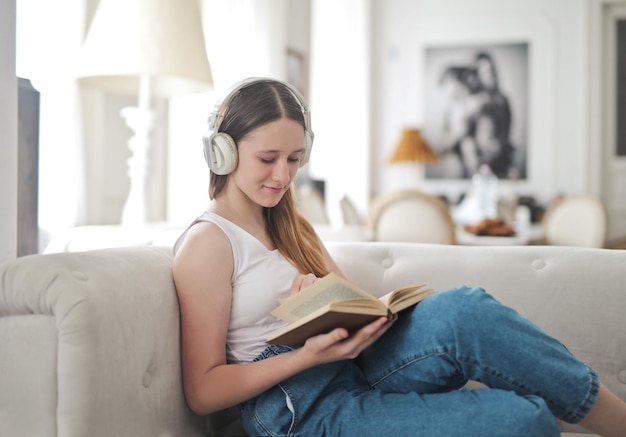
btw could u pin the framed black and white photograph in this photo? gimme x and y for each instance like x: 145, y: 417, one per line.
x: 476, y: 109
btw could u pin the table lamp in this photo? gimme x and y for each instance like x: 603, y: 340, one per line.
x: 148, y: 48
x: 409, y: 158
x: 413, y: 148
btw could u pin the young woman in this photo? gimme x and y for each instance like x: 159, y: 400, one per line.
x: 251, y: 248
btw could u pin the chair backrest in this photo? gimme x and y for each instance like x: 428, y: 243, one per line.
x: 577, y: 220
x: 349, y: 213
x: 411, y: 216
x: 311, y: 204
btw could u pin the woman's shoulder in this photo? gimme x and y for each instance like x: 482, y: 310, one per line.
x: 204, y: 224
x: 203, y: 237
x: 204, y: 253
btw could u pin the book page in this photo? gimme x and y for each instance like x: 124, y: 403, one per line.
x: 404, y: 297
x: 331, y: 288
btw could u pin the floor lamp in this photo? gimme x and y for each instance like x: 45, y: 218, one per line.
x: 146, y: 48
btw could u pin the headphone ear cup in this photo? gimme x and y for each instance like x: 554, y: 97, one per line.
x: 220, y: 153
x: 308, y: 145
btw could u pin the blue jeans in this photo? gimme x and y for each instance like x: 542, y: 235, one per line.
x: 409, y: 383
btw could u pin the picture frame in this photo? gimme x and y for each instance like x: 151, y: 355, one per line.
x: 478, y: 29
x: 476, y: 97
x: 297, y: 71
x: 620, y: 95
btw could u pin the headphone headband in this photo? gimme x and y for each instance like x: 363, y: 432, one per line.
x: 220, y: 150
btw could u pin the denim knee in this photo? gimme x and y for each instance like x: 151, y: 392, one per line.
x: 462, y: 299
x: 463, y: 306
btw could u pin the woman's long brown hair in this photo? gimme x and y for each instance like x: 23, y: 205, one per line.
x: 256, y: 105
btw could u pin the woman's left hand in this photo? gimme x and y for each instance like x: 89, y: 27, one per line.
x: 302, y: 281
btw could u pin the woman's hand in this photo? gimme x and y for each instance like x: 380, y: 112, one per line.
x: 339, y: 345
x: 302, y: 281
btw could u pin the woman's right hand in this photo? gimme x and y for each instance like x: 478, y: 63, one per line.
x: 340, y: 345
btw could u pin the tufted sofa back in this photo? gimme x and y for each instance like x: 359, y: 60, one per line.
x: 575, y: 294
x: 89, y: 341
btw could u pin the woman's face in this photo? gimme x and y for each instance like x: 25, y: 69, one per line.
x: 486, y: 74
x: 455, y: 89
x: 269, y: 158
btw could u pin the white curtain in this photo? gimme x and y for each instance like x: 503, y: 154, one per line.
x: 340, y: 101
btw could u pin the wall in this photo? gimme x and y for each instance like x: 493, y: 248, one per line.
x: 366, y: 85
x: 557, y: 121
x: 8, y: 133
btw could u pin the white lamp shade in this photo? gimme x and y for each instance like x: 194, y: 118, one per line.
x: 162, y: 39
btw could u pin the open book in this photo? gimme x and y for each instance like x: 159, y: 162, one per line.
x: 333, y: 302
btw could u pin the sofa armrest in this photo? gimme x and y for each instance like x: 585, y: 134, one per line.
x: 105, y: 325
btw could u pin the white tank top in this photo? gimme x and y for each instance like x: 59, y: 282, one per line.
x: 261, y: 277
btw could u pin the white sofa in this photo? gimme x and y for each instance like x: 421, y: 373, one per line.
x: 89, y: 341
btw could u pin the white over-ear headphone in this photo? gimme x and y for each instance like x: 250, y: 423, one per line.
x: 220, y: 150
